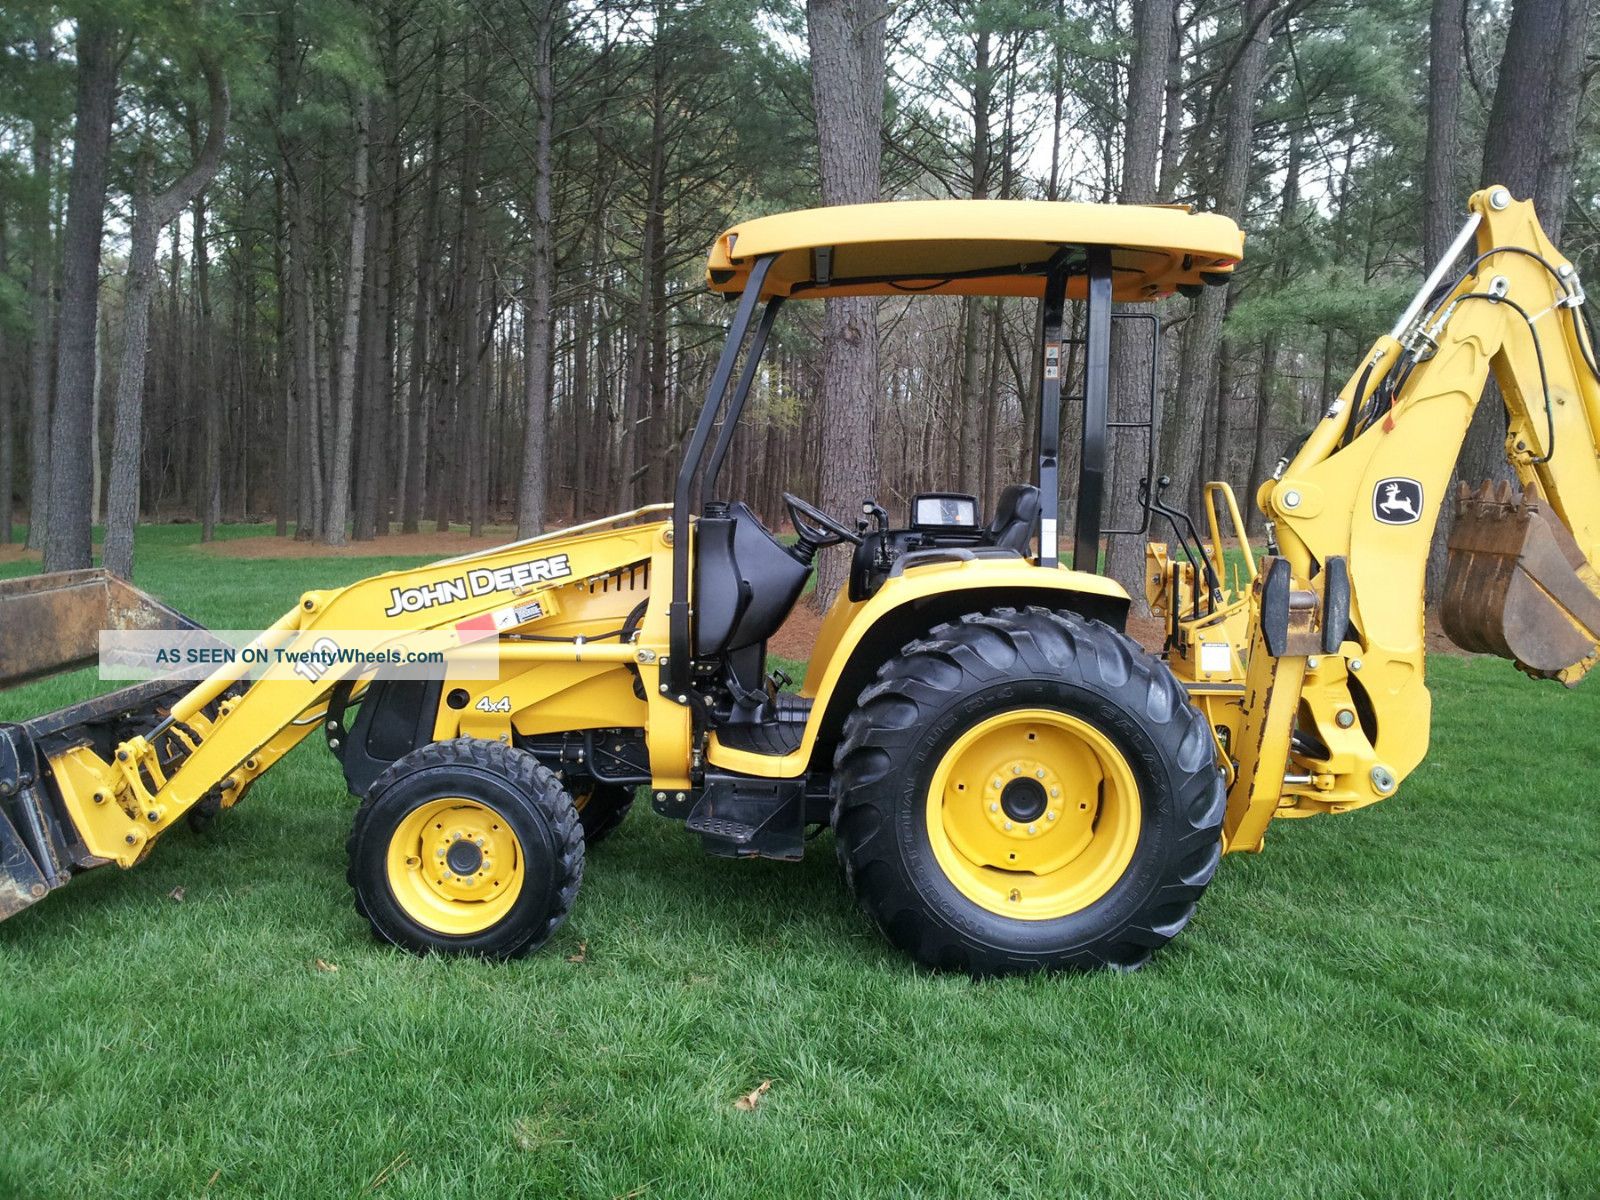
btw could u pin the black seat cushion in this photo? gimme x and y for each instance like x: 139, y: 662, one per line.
x: 1015, y: 516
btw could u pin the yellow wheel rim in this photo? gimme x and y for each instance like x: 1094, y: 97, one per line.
x: 1033, y: 814
x: 455, y: 866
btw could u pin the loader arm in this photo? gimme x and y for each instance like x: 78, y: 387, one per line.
x: 70, y: 800
x: 1335, y: 710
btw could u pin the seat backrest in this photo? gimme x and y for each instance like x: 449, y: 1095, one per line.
x: 1015, y: 515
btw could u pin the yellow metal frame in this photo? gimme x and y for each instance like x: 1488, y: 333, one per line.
x: 904, y: 246
x: 991, y: 582
x: 1321, y: 506
x: 120, y: 807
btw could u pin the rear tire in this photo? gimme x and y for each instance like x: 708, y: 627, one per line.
x: 1027, y: 790
x: 466, y: 847
x: 601, y: 807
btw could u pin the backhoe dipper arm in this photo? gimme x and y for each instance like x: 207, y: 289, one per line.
x: 1334, y: 718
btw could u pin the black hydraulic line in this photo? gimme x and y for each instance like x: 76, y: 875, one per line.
x: 1096, y: 395
x: 1357, y: 403
x: 1048, y: 457
x: 678, y: 674
x: 513, y: 638
x: 1187, y: 535
x: 1584, y: 336
x: 1538, y: 354
x: 1432, y: 308
x: 741, y: 393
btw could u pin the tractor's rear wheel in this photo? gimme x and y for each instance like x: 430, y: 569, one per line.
x: 1027, y: 790
x: 601, y: 807
x: 466, y: 847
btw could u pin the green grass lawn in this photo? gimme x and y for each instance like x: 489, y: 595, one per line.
x: 1402, y: 1001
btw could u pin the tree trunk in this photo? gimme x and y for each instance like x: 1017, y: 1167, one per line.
x: 847, y: 74
x: 1172, y: 135
x: 1566, y: 76
x: 1132, y: 351
x: 1203, y: 338
x: 1521, y: 139
x: 541, y: 265
x: 303, y: 318
x: 417, y: 384
x: 1441, y: 201
x: 39, y: 309
x: 151, y: 215
x: 205, y: 379
x: 371, y: 388
x: 970, y: 443
x: 68, y: 543
x: 643, y: 437
x: 338, y: 501
x: 281, y: 455
x: 1266, y: 379
x: 9, y: 398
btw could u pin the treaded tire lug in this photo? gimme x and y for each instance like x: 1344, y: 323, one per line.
x: 607, y: 807
x: 537, y: 807
x: 884, y: 764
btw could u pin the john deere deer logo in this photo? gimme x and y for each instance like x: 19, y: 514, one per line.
x: 1397, y: 501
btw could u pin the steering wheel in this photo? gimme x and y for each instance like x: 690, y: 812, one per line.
x: 815, y: 527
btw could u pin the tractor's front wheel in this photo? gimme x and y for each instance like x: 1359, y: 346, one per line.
x: 1027, y: 790
x: 466, y: 847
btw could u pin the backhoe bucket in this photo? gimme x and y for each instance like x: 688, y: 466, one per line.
x: 49, y: 624
x: 1518, y: 586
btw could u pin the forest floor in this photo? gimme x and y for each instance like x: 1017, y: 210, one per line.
x: 1404, y: 1000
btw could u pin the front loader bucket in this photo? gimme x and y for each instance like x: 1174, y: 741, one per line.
x: 1518, y: 586
x: 52, y: 623
x: 49, y: 624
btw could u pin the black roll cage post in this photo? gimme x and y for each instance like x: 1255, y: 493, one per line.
x: 678, y: 614
x: 1096, y: 266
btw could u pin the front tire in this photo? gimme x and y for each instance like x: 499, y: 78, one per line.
x: 602, y: 807
x: 1027, y: 790
x: 466, y: 847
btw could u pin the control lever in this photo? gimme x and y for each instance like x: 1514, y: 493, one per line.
x: 871, y: 508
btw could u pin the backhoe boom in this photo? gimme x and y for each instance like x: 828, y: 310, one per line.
x: 1360, y: 500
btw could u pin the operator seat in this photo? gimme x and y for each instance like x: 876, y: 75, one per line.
x: 1015, y: 515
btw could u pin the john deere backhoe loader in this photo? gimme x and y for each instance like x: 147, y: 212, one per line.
x: 1013, y: 783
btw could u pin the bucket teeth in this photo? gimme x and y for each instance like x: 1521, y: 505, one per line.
x: 1486, y: 497
x: 1518, y: 585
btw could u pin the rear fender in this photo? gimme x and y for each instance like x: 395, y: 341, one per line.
x: 857, y: 638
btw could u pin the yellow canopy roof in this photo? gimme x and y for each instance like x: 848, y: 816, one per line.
x: 971, y: 247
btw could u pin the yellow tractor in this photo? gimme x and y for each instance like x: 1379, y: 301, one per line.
x: 1012, y: 782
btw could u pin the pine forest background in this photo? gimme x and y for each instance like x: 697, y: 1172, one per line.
x: 358, y: 267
